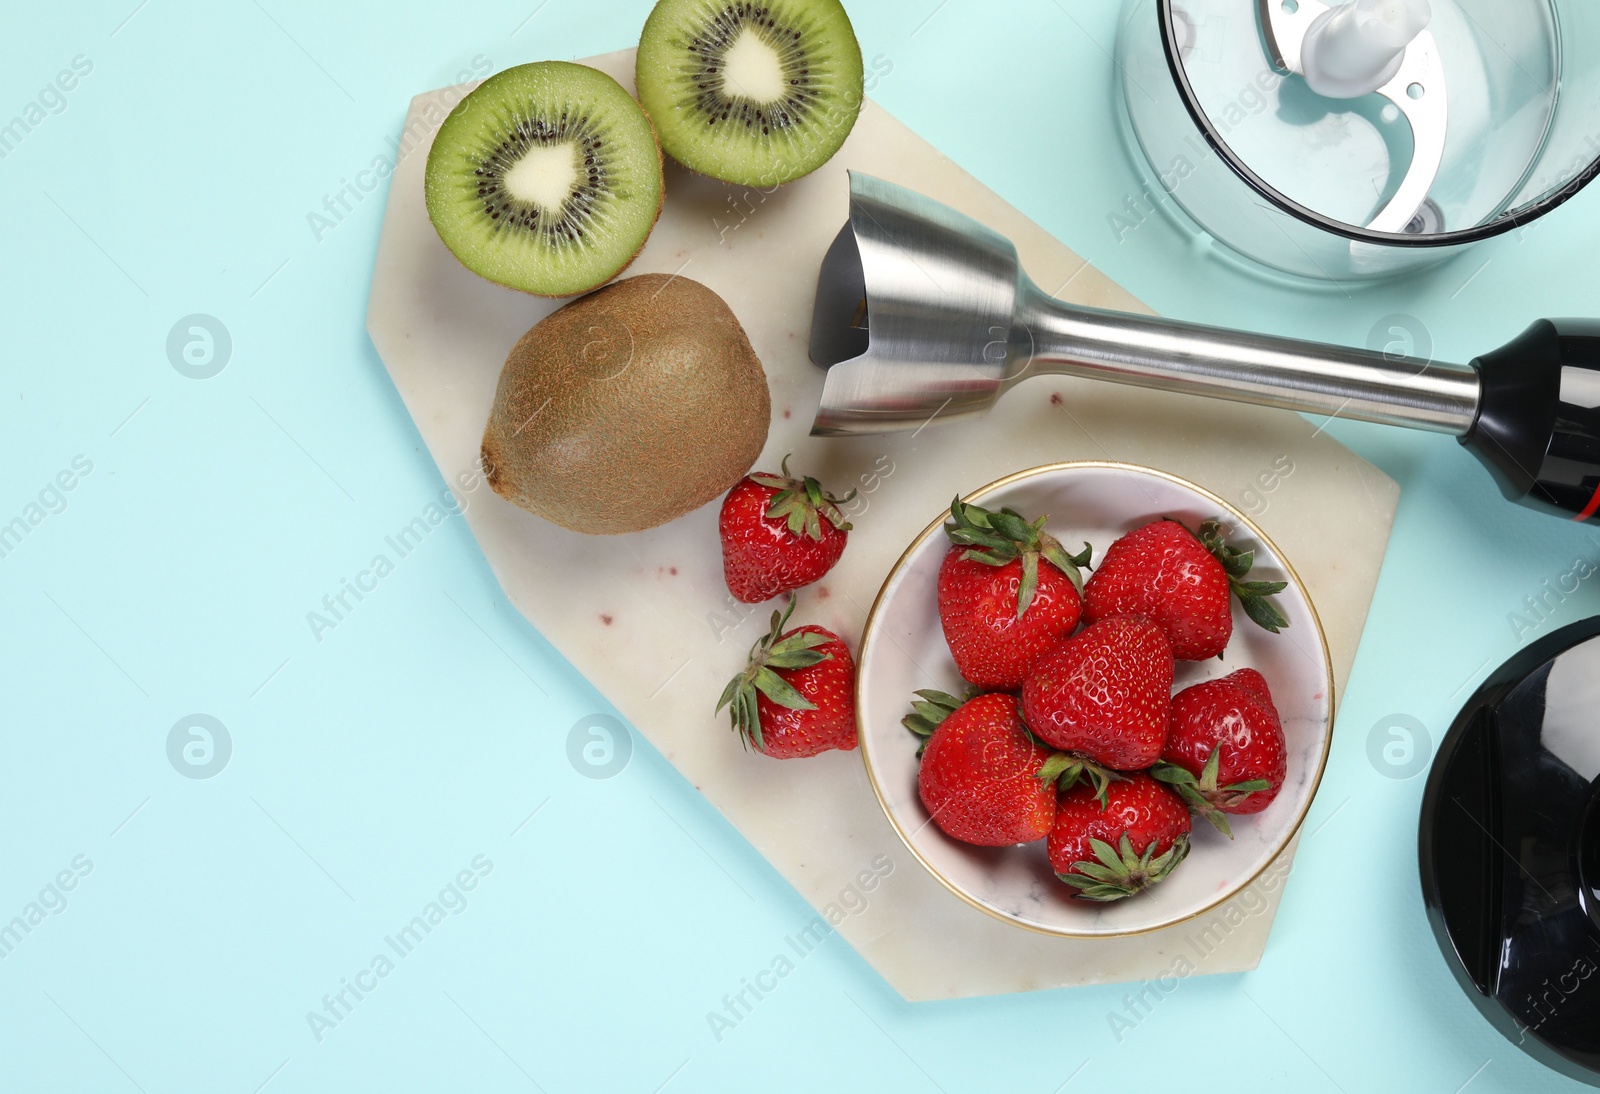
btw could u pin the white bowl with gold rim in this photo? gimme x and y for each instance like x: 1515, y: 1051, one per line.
x: 903, y: 650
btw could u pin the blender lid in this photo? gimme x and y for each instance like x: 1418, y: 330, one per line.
x: 1250, y: 99
x: 1509, y: 849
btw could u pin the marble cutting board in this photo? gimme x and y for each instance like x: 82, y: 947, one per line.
x: 443, y: 334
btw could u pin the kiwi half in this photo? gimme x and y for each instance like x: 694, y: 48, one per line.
x: 546, y: 178
x: 757, y: 93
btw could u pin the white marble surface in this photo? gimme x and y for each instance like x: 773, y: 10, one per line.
x: 903, y: 650
x: 443, y: 334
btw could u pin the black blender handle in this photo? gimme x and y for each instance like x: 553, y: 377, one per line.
x: 1538, y: 426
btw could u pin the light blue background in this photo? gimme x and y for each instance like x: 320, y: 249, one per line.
x: 369, y: 769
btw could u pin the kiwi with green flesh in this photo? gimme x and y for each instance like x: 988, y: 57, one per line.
x: 752, y: 93
x: 628, y: 408
x: 546, y: 178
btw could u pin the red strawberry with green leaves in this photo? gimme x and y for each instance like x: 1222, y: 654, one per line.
x: 1137, y: 838
x: 1007, y: 590
x: 1104, y: 695
x: 1225, y: 750
x: 984, y: 779
x: 796, y: 697
x: 779, y: 534
x: 1182, y: 581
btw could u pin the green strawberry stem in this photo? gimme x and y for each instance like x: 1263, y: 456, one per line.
x: 996, y: 539
x: 1067, y: 769
x: 928, y: 714
x: 772, y: 652
x: 1120, y: 873
x: 1255, y: 597
x: 803, y: 504
x: 1202, y: 794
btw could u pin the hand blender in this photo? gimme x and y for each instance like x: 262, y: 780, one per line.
x: 922, y: 314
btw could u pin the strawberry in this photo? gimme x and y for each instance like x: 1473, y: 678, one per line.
x: 984, y: 779
x: 1225, y: 751
x: 1181, y: 582
x: 1006, y: 591
x: 1104, y: 695
x: 796, y: 697
x: 1113, y: 851
x: 779, y: 534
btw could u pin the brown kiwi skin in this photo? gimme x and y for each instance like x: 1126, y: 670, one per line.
x: 628, y: 408
x: 661, y: 165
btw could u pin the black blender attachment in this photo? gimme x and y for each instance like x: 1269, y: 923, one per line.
x: 1510, y: 850
x: 924, y: 315
x: 1359, y: 139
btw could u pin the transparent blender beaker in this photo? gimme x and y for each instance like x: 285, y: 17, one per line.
x: 1296, y: 180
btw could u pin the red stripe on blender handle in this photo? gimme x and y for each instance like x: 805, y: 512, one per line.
x: 1591, y: 509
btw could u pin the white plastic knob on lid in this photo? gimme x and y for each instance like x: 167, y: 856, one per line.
x: 1356, y: 48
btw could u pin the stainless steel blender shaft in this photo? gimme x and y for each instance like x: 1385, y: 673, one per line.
x: 924, y: 315
x: 1150, y: 352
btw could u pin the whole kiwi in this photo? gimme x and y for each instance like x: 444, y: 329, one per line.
x: 628, y: 408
